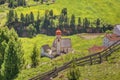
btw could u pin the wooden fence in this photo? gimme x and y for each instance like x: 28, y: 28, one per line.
x: 96, y: 58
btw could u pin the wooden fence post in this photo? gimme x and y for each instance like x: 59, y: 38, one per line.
x: 100, y: 58
x: 91, y: 60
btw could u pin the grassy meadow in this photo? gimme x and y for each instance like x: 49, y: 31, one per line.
x: 80, y: 47
x: 107, y: 10
x: 108, y: 70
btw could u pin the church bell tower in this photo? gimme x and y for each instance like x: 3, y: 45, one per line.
x: 58, y: 40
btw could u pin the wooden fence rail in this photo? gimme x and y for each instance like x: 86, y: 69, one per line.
x: 96, y: 58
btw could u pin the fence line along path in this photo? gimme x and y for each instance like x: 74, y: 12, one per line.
x: 92, y: 59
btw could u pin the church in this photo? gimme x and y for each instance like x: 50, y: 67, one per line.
x: 60, y: 46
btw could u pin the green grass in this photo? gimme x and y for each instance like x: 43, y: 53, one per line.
x: 79, y: 45
x: 107, y: 10
x: 108, y: 70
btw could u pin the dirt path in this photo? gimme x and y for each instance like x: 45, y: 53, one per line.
x: 90, y: 35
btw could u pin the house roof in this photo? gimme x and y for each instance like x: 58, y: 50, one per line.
x: 46, y: 47
x: 66, y: 43
x: 112, y: 37
x: 118, y: 27
x: 96, y: 48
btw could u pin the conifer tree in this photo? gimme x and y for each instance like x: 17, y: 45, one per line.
x: 16, y: 17
x: 34, y: 56
x: 31, y: 17
x: 72, y: 23
x: 4, y: 38
x: 51, y: 13
x: 74, y: 72
x: 79, y: 21
x: 98, y: 23
x: 10, y: 66
x: 27, y: 19
x: 37, y: 23
x: 10, y: 16
x: 22, y: 18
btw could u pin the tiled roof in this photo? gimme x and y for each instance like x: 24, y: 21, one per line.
x: 46, y: 47
x: 66, y: 43
x: 96, y: 48
x: 112, y: 37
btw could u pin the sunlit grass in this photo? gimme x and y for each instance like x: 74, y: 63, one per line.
x: 79, y: 45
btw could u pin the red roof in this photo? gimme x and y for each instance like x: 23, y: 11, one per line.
x: 95, y: 49
x: 58, y: 32
x: 113, y: 37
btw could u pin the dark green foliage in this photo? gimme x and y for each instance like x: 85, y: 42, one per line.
x: 31, y: 17
x: 41, y: 1
x: 79, y: 21
x: 16, y: 17
x: 34, y: 57
x: 11, y: 16
x: 74, y: 72
x: 36, y: 0
x: 27, y: 19
x: 86, y: 23
x: 4, y: 38
x: 64, y: 11
x: 12, y: 54
x: 46, y: 21
x: 31, y: 30
x: 37, y: 23
x: 15, y: 3
x: 50, y: 22
x: 72, y: 24
x: 98, y: 22
x: 2, y: 1
x: 61, y: 21
x: 51, y: 13
x: 22, y: 18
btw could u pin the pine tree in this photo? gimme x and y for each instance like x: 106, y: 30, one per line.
x: 64, y: 11
x: 79, y: 21
x: 10, y: 16
x: 37, y: 23
x: 34, y: 56
x: 31, y: 30
x: 98, y: 23
x: 61, y: 21
x: 4, y: 38
x: 72, y: 23
x: 16, y: 17
x: 11, y: 63
x: 22, y: 18
x: 86, y: 23
x: 31, y: 17
x: 51, y: 13
x: 41, y: 1
x: 27, y: 19
x: 74, y: 72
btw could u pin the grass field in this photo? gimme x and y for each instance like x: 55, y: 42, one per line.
x: 107, y: 10
x: 79, y: 45
x: 105, y: 71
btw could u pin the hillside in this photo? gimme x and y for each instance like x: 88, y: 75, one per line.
x: 108, y: 70
x: 86, y: 22
x: 81, y: 50
x: 107, y: 10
